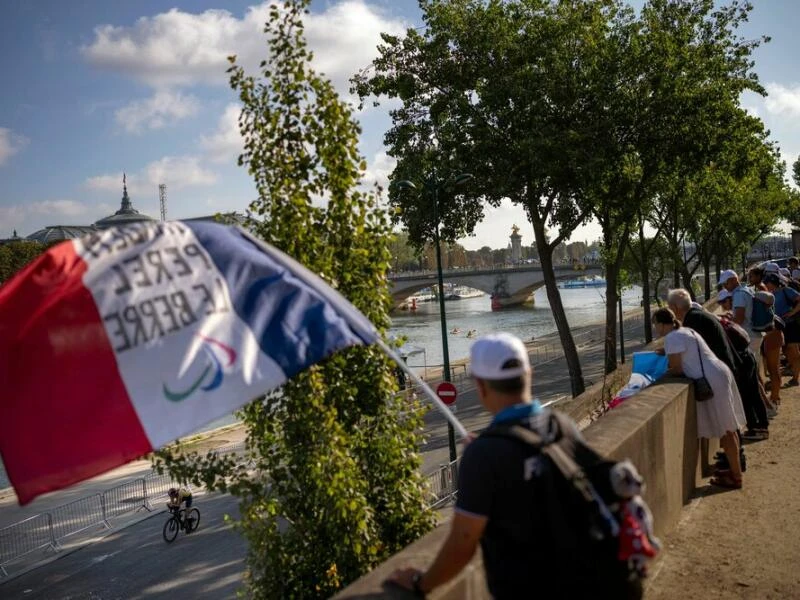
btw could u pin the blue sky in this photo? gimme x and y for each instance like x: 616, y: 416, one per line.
x: 95, y: 88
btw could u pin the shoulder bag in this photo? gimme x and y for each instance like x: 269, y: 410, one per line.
x: 702, y: 389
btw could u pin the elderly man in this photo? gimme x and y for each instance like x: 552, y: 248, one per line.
x: 741, y: 364
x: 704, y: 323
x: 742, y: 308
x: 499, y: 485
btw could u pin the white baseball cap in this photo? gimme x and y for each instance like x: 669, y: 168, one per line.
x: 489, y: 353
x: 770, y: 267
x: 724, y: 295
x: 723, y: 278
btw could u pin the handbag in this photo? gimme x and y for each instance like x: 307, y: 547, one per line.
x: 702, y: 389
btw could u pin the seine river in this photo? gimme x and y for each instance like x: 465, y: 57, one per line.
x: 422, y: 329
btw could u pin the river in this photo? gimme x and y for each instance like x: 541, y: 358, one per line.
x: 422, y: 328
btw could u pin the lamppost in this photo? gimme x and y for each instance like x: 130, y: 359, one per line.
x: 432, y: 186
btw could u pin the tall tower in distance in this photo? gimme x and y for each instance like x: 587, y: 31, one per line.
x: 516, y: 245
x: 162, y: 199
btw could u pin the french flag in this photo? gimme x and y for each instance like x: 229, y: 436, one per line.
x: 117, y: 343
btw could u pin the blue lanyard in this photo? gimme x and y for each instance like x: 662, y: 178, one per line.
x: 518, y: 412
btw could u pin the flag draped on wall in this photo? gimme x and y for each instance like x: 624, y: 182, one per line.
x: 117, y: 343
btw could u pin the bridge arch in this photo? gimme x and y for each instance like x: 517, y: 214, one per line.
x: 511, y: 285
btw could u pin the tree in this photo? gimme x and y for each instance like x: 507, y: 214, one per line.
x: 15, y: 255
x: 404, y: 256
x: 333, y: 486
x: 673, y: 74
x: 503, y: 86
x: 796, y: 172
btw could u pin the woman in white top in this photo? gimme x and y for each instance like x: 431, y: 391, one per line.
x: 720, y: 416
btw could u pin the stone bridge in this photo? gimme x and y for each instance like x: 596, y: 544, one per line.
x: 507, y: 286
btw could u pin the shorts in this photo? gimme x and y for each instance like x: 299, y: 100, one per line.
x: 188, y: 502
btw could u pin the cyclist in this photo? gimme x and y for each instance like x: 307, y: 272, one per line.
x: 177, y: 496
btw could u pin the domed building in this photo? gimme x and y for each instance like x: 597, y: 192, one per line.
x: 126, y: 213
x: 124, y: 216
x: 59, y: 233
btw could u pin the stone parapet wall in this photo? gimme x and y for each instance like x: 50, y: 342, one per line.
x: 656, y: 429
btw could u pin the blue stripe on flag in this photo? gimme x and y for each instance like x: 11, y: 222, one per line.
x: 292, y: 321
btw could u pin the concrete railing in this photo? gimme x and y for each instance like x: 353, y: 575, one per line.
x: 656, y: 429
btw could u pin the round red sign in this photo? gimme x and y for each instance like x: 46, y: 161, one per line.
x: 447, y: 392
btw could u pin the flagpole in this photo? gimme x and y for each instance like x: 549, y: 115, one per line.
x: 448, y: 414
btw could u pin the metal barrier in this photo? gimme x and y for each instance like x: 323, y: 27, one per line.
x: 128, y: 497
x: 442, y: 484
x: 20, y: 539
x: 77, y: 516
x: 156, y: 486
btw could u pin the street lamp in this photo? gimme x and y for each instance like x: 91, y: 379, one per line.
x: 432, y: 186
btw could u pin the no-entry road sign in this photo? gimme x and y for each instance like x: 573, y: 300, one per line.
x: 447, y: 392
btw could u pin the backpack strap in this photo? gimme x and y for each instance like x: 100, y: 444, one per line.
x: 566, y: 464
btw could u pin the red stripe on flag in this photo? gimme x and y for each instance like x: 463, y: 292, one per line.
x: 66, y: 415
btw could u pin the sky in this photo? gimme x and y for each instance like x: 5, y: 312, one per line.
x: 94, y: 89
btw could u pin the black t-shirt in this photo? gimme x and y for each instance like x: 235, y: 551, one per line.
x: 492, y: 483
x: 712, y: 332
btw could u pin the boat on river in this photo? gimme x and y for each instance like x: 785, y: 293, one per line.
x: 583, y: 282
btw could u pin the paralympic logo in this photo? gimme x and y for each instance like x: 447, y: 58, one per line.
x: 213, y: 367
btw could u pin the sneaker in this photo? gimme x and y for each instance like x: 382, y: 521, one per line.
x: 772, y: 412
x: 755, y: 435
x: 722, y: 463
x: 791, y: 383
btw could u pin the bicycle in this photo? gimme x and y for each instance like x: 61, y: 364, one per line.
x: 178, y: 521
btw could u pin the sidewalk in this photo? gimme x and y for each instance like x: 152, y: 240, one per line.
x: 743, y: 543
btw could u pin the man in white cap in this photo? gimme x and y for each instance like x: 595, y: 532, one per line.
x: 742, y: 307
x: 494, y: 506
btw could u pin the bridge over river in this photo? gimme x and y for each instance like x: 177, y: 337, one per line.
x: 508, y: 286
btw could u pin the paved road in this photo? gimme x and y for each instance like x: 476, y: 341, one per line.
x: 550, y: 381
x: 136, y: 563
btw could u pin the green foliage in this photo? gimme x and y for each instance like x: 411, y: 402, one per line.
x: 796, y: 172
x: 334, y: 485
x: 17, y: 254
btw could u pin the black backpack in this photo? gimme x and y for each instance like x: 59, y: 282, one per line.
x: 578, y: 541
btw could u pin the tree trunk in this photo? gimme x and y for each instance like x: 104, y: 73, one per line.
x: 613, y: 265
x: 707, y: 277
x: 611, y: 321
x: 687, y: 281
x: 554, y: 298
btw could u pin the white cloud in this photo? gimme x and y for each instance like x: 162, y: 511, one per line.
x: 31, y: 216
x: 226, y: 143
x: 379, y: 169
x: 10, y: 144
x: 180, y: 48
x: 162, y: 109
x: 177, y: 172
x: 783, y: 100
